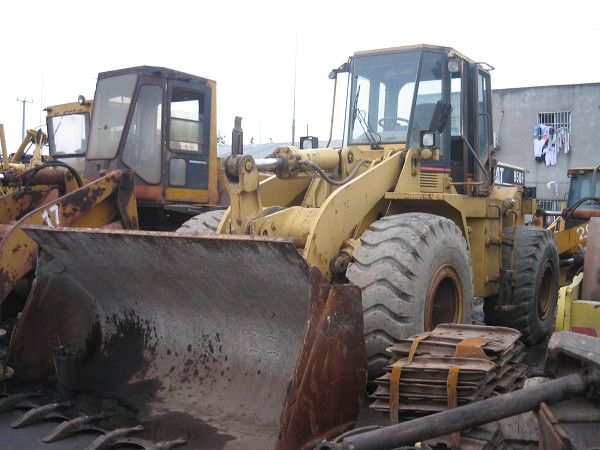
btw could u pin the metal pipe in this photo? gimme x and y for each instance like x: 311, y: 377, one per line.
x: 467, y: 416
x: 268, y: 163
x: 332, y: 112
x: 474, y: 153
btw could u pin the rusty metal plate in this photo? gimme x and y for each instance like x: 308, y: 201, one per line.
x: 567, y: 351
x: 552, y: 435
x: 435, y: 369
x: 443, y: 339
x: 236, y: 340
x: 465, y: 391
x: 423, y: 387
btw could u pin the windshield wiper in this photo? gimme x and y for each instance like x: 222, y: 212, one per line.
x: 368, y: 132
x: 357, y: 113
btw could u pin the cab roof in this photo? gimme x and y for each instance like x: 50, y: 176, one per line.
x: 580, y: 170
x: 404, y: 48
x: 156, y: 72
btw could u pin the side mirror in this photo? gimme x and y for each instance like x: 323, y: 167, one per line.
x: 334, y: 73
x: 441, y: 115
x: 309, y: 142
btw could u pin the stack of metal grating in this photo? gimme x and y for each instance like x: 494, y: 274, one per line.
x: 449, y: 366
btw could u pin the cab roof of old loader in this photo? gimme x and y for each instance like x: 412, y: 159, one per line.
x: 156, y: 71
x: 404, y: 48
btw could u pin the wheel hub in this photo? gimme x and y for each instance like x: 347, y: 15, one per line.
x: 545, y: 291
x: 444, y: 298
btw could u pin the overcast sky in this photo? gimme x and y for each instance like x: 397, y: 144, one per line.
x: 52, y: 51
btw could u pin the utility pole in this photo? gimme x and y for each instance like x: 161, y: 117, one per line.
x: 294, y: 108
x: 24, y: 101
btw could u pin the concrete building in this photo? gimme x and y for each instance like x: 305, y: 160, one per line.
x: 575, y: 108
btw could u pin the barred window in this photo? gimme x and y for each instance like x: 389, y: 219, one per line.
x: 558, y: 120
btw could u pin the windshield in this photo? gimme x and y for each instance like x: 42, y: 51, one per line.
x: 383, y: 88
x: 68, y: 133
x: 581, y: 187
x: 111, y: 104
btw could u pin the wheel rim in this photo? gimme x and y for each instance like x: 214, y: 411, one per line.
x: 544, y: 294
x: 444, y: 298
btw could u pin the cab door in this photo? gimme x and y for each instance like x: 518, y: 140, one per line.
x: 188, y: 142
x: 483, y: 139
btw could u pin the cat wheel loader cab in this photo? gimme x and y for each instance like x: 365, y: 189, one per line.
x: 161, y: 124
x: 413, y: 209
x: 68, y: 128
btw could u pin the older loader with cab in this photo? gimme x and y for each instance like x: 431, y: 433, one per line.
x: 151, y: 163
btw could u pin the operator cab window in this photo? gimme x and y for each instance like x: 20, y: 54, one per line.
x: 428, y: 94
x: 111, y: 105
x: 382, y: 94
x: 455, y: 119
x: 484, y: 113
x: 70, y: 134
x: 142, y: 151
x: 186, y: 132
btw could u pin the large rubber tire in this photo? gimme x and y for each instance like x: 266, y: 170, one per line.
x: 405, y: 264
x: 205, y: 223
x: 534, y: 294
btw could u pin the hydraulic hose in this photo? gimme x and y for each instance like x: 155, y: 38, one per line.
x: 55, y: 164
x: 569, y: 211
x: 333, y: 181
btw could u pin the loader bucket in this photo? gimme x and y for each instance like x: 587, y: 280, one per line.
x: 235, y: 340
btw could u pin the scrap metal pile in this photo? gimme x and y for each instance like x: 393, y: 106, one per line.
x: 449, y: 366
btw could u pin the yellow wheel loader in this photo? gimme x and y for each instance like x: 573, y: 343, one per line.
x: 46, y: 189
x: 252, y: 336
x: 68, y: 128
x: 579, y: 302
x: 571, y: 227
x: 414, y: 208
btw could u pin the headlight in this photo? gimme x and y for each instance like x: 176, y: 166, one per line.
x: 453, y: 65
x: 427, y: 139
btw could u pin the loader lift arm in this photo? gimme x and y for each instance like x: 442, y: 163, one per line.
x: 110, y: 199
